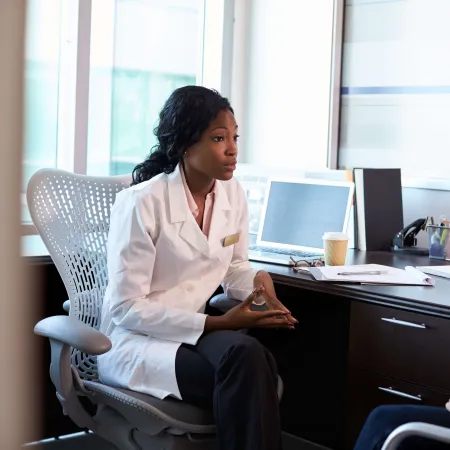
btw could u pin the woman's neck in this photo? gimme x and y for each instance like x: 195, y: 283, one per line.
x: 199, y: 184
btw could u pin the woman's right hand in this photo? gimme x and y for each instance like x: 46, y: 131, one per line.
x: 241, y: 316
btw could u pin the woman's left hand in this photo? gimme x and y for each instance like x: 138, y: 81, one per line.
x: 264, y: 282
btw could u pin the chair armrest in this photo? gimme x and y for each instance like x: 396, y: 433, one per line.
x: 65, y: 332
x: 66, y: 306
x: 424, y: 430
x: 223, y: 304
x: 75, y: 333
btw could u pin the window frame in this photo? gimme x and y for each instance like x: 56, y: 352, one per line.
x: 335, y: 88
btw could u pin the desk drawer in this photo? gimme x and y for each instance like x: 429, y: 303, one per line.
x: 400, y: 344
x: 367, y: 391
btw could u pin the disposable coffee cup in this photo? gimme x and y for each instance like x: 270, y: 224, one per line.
x: 335, y: 246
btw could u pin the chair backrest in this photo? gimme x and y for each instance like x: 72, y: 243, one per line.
x: 71, y: 213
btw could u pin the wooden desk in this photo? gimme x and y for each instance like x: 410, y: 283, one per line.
x: 338, y: 357
x: 358, y: 346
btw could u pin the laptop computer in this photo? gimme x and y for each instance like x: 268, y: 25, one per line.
x: 295, y: 216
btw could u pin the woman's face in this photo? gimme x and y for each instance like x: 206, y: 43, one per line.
x: 215, y: 154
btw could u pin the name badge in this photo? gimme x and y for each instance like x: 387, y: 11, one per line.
x: 231, y: 240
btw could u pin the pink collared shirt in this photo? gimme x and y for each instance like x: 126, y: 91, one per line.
x: 209, y: 204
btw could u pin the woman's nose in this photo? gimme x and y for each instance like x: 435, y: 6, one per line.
x: 232, y: 148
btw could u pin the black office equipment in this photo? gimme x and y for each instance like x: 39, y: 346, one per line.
x: 405, y: 241
x: 378, y: 207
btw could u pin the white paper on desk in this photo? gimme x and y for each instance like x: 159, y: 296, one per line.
x: 390, y: 275
x: 420, y: 275
x: 437, y: 271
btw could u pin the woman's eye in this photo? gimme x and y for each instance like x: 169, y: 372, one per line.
x: 218, y: 139
x: 236, y: 138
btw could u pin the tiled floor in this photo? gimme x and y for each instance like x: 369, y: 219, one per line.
x: 92, y: 442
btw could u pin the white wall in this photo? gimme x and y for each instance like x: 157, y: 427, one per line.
x: 288, y: 48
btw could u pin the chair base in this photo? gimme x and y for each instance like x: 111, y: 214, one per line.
x: 171, y: 442
x: 114, y: 428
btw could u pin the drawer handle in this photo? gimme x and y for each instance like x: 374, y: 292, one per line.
x: 418, y: 398
x: 404, y: 324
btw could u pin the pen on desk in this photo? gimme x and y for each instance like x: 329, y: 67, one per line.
x: 370, y: 272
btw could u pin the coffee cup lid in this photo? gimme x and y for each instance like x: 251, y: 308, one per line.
x: 335, y: 236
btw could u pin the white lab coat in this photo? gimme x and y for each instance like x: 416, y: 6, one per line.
x: 162, y: 270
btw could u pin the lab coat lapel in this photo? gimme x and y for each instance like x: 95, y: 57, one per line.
x: 179, y: 212
x: 219, y: 220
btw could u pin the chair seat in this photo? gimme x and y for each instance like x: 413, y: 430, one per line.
x: 139, y: 408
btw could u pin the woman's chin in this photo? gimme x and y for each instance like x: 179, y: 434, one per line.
x: 226, y: 176
x: 226, y: 173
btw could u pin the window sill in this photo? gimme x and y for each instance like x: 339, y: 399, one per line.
x: 28, y: 229
x: 33, y: 247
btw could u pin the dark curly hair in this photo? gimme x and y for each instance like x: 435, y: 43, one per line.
x: 185, y: 116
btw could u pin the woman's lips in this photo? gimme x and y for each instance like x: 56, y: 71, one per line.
x: 231, y: 166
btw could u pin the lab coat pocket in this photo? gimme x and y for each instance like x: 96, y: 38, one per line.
x: 117, y: 366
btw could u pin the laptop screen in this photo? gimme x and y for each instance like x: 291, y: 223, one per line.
x: 300, y: 213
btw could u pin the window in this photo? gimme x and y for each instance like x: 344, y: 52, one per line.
x: 99, y: 71
x: 142, y: 52
x: 289, y: 73
x: 286, y: 86
x: 396, y: 86
x: 42, y: 58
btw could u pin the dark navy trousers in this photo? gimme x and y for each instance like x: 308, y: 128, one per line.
x: 236, y: 376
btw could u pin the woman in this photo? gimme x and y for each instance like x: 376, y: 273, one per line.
x: 179, y: 231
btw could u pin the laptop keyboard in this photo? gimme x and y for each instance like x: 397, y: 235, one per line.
x: 280, y: 251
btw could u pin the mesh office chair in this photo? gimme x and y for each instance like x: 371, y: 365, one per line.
x: 425, y: 430
x: 71, y: 213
